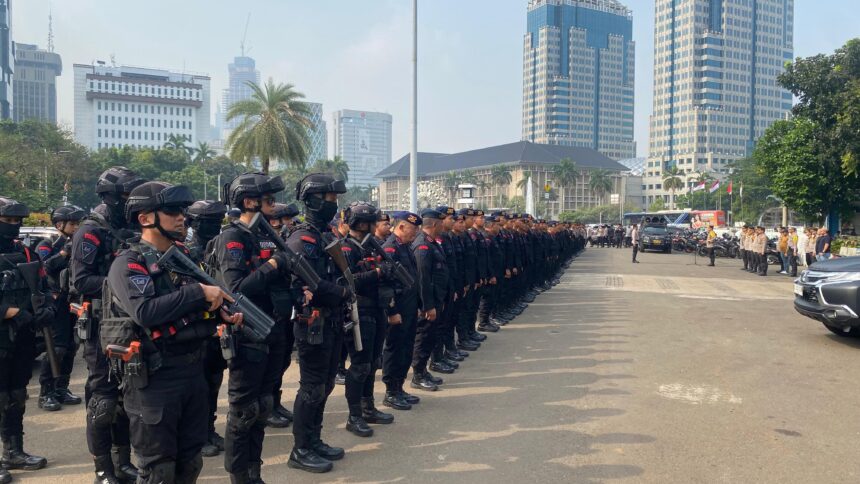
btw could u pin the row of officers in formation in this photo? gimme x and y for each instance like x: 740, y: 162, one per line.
x: 160, y: 321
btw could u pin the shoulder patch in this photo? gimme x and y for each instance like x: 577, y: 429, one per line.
x: 92, y: 238
x: 311, y: 250
x: 140, y: 282
x: 87, y: 248
x: 423, y: 247
x: 137, y: 268
x: 43, y: 250
x: 309, y: 239
x: 346, y: 249
x: 389, y: 250
x: 235, y: 245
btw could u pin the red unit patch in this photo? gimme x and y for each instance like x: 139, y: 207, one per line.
x: 423, y: 247
x: 92, y: 238
x: 390, y: 250
x: 309, y: 239
x: 235, y: 245
x: 137, y: 267
x: 265, y: 253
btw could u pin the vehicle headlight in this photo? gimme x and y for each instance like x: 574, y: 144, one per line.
x: 841, y: 277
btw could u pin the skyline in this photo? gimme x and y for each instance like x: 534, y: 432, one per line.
x: 359, y: 56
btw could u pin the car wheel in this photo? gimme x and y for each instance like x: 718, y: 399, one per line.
x: 854, y: 332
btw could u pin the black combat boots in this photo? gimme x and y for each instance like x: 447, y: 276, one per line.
x: 14, y: 456
x: 371, y: 414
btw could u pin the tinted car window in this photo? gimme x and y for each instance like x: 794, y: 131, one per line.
x: 655, y: 231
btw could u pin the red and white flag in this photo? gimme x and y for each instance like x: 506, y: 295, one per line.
x: 729, y: 189
x: 714, y: 187
x: 700, y: 186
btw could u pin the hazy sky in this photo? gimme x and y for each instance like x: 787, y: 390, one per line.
x: 357, y: 54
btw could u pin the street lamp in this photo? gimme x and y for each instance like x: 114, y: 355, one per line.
x: 413, y: 157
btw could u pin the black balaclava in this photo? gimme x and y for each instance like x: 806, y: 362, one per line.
x: 205, y: 230
x: 8, y: 233
x: 319, y: 211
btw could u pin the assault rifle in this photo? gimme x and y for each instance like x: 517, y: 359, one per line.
x: 335, y: 250
x: 30, y: 274
x: 298, y: 264
x: 255, y: 321
x: 400, y: 272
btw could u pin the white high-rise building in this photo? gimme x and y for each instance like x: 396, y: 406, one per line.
x: 35, y: 88
x: 363, y: 140
x: 716, y: 64
x: 133, y: 106
x: 242, y: 71
x: 578, y: 75
x: 318, y: 135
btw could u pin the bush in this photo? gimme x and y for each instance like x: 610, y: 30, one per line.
x: 37, y: 219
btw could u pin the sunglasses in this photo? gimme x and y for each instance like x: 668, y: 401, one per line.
x: 174, y: 211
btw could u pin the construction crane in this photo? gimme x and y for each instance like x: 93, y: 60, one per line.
x: 245, y: 35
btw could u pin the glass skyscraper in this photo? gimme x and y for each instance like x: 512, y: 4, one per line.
x: 578, y: 75
x: 36, y: 73
x: 7, y: 59
x: 363, y: 140
x: 716, y: 64
x: 242, y: 70
x: 318, y: 135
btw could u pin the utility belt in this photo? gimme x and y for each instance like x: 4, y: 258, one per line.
x: 231, y: 342
x: 315, y: 320
x: 133, y: 368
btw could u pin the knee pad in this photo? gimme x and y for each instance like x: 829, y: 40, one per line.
x: 312, y: 394
x: 267, y: 403
x: 18, y: 397
x: 242, y: 418
x: 359, y: 371
x: 188, y: 471
x: 161, y: 471
x: 101, y: 411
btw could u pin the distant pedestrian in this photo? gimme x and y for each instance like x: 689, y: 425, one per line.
x: 782, y: 250
x: 634, y: 239
x: 792, y: 251
x: 822, y: 244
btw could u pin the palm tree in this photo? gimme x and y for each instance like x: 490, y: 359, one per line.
x: 203, y: 153
x: 452, y: 181
x: 177, y: 143
x: 273, y: 126
x: 600, y: 182
x: 565, y: 173
x: 500, y: 176
x: 524, y: 182
x: 672, y: 181
x: 337, y: 167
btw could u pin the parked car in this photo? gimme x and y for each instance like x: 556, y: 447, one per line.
x: 656, y: 237
x: 829, y: 292
x: 31, y: 236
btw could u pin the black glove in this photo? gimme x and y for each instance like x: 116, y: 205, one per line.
x: 284, y: 263
x: 44, y: 317
x: 386, y: 270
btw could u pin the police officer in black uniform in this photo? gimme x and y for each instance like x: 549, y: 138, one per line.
x: 247, y: 263
x: 55, y: 255
x: 319, y: 324
x: 282, y: 220
x: 21, y: 316
x: 400, y: 343
x: 169, y: 317
x: 205, y: 217
x: 101, y: 236
x: 376, y: 310
x: 432, y: 287
x: 446, y: 350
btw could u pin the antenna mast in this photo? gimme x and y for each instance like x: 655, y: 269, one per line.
x: 50, y: 31
x: 245, y: 35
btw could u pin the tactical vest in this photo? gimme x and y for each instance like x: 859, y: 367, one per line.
x: 13, y: 291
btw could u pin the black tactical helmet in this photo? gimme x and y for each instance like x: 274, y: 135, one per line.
x: 69, y: 213
x: 250, y: 185
x: 283, y: 210
x: 152, y: 196
x: 207, y: 209
x: 318, y: 183
x: 13, y: 208
x: 359, y: 212
x: 115, y: 181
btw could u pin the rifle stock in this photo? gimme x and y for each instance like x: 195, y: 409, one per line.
x: 255, y: 321
x: 400, y: 272
x: 30, y: 272
x: 335, y: 251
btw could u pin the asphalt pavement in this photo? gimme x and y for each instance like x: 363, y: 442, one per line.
x: 663, y: 371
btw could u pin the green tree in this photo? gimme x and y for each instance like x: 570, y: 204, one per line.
x: 500, y: 177
x: 565, y: 174
x: 273, y: 126
x: 517, y: 204
x: 202, y: 153
x: 756, y: 187
x: 600, y: 183
x: 451, y: 182
x: 337, y: 167
x: 658, y: 205
x: 673, y: 180
x: 178, y: 143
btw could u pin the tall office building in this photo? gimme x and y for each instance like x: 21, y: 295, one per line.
x: 35, y: 92
x: 578, y: 71
x: 117, y: 106
x: 363, y: 140
x: 716, y: 64
x: 318, y: 149
x: 241, y: 71
x: 7, y: 59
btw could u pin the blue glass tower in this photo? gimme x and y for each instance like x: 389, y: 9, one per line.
x: 578, y: 75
